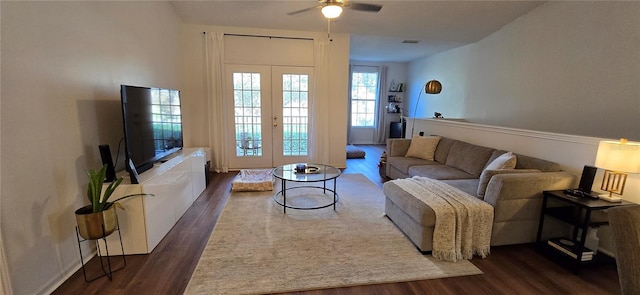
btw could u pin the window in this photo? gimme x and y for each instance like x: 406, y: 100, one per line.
x: 247, y: 112
x: 364, y: 92
x: 166, y: 118
x: 295, y: 114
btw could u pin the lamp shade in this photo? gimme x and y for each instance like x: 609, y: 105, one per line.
x: 620, y: 156
x: 433, y: 87
x: 331, y: 11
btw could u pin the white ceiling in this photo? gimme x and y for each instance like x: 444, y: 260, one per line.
x: 437, y: 25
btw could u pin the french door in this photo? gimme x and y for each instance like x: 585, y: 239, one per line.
x: 271, y: 115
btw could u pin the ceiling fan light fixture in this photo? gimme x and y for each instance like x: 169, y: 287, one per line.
x: 331, y: 11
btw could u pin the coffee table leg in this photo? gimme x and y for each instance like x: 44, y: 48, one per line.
x: 324, y: 186
x: 335, y: 192
x: 284, y: 195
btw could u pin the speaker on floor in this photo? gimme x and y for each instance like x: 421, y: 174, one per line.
x: 105, y: 154
x: 586, y: 180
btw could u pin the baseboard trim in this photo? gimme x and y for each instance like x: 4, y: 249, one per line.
x: 71, y: 270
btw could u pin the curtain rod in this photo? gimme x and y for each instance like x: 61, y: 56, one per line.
x: 270, y: 37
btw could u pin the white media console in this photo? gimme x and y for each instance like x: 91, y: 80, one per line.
x: 175, y: 185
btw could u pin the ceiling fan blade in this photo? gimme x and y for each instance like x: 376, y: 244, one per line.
x: 302, y: 10
x: 364, y: 6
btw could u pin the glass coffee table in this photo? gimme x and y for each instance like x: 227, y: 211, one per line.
x: 310, y: 174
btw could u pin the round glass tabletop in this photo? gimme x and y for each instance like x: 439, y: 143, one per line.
x: 312, y: 172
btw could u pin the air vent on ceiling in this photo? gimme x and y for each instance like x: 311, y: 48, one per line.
x: 411, y: 41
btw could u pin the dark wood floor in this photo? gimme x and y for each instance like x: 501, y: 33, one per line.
x: 517, y: 269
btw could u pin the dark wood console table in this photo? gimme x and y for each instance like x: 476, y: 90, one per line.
x: 581, y: 213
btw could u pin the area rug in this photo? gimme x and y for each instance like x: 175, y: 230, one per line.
x: 255, y: 248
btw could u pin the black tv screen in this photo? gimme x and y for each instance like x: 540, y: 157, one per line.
x: 152, y: 124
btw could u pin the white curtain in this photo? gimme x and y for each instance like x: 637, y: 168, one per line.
x: 214, y: 55
x: 380, y: 133
x: 320, y: 125
x: 349, y: 104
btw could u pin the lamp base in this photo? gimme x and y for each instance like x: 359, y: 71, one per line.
x: 610, y: 198
x: 613, y: 182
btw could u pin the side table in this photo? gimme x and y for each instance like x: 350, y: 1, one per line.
x: 581, y: 213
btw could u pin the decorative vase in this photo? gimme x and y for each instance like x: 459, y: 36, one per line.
x: 92, y: 226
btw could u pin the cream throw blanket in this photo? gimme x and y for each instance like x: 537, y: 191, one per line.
x: 463, y: 222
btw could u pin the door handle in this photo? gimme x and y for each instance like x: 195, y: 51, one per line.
x: 275, y: 121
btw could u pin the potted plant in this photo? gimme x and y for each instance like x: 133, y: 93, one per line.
x: 99, y: 219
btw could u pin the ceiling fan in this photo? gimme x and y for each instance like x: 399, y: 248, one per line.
x: 333, y: 8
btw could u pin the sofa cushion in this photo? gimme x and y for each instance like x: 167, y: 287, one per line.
x: 412, y: 206
x: 442, y: 151
x: 398, y: 147
x: 439, y: 171
x: 527, y: 162
x: 423, y: 147
x: 403, y: 164
x: 468, y: 157
x: 469, y: 186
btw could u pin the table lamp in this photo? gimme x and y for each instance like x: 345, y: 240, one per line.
x: 617, y: 158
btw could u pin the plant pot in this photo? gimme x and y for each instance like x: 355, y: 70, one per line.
x: 90, y: 225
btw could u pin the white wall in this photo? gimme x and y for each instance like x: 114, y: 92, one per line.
x: 62, y: 66
x: 557, y: 80
x: 330, y: 141
x: 569, y: 67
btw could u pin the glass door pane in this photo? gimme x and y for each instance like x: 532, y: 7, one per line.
x: 249, y: 100
x: 292, y: 99
x: 295, y: 114
x: 247, y: 113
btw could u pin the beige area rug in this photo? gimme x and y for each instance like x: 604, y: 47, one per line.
x: 255, y: 248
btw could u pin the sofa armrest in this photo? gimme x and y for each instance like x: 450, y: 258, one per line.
x: 398, y: 147
x: 525, y: 185
x: 486, y: 176
x: 519, y: 196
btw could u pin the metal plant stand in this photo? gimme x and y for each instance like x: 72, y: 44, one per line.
x: 106, y: 271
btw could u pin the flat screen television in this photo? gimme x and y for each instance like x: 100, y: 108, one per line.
x: 152, y: 122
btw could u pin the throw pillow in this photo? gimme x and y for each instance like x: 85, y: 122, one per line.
x: 504, y: 161
x: 423, y: 147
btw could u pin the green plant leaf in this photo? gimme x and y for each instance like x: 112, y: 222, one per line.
x: 91, y: 190
x: 129, y: 196
x: 99, y: 201
x: 94, y: 190
x: 109, y: 190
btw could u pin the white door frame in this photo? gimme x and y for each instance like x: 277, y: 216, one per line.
x: 279, y: 157
x: 268, y: 152
x: 258, y: 153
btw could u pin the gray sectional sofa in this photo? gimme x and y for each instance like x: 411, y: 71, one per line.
x: 515, y: 194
